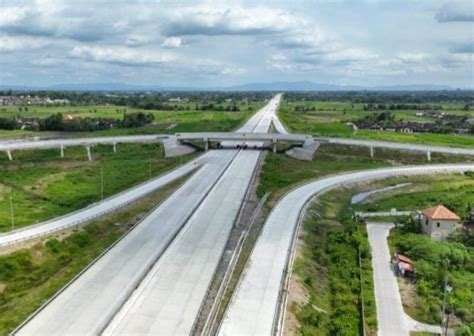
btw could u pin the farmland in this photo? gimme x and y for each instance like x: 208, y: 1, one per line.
x: 331, y: 119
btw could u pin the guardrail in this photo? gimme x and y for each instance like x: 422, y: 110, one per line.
x: 211, y: 319
x: 193, y: 167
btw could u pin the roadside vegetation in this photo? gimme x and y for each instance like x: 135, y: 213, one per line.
x: 327, y: 266
x: 30, y: 276
x: 42, y: 185
x: 434, y: 261
x: 281, y: 172
x: 331, y: 238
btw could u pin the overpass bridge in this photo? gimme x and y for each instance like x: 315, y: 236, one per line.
x: 231, y: 139
x: 9, y: 146
x: 176, y: 144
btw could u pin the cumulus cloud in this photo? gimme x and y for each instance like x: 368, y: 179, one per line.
x: 172, y: 42
x: 226, y: 40
x: 456, y: 11
x: 218, y: 20
x: 55, y: 19
x: 120, y: 55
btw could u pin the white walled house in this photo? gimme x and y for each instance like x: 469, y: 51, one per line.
x: 439, y: 222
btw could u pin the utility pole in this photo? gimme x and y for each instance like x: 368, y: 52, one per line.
x: 102, y: 182
x: 447, y: 289
x: 149, y: 166
x: 11, y: 210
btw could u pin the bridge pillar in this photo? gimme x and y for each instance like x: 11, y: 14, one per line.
x: 9, y: 154
x: 62, y: 151
x: 274, y: 145
x: 89, y: 156
x: 115, y: 147
x: 206, y: 144
x: 371, y: 151
x: 428, y: 155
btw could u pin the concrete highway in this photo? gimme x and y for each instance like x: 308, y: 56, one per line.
x: 88, y: 304
x: 255, y: 305
x: 180, y: 279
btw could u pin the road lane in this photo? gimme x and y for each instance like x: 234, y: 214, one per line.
x: 254, y: 307
x: 168, y: 300
x: 88, y: 303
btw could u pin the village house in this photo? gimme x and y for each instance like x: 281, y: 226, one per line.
x: 438, y: 222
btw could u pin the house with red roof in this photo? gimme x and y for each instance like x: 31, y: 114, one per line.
x: 439, y: 222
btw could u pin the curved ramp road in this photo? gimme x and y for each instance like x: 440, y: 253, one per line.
x: 400, y: 146
x: 255, y: 305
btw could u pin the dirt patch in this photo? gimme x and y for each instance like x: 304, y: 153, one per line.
x: 42, y: 183
x: 37, y: 256
x: 2, y: 287
x: 296, y: 296
x: 408, y: 295
x: 3, y: 191
x: 390, y: 193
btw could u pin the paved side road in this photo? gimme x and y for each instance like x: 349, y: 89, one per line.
x: 254, y: 307
x: 391, y: 318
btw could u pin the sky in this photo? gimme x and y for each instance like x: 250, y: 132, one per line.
x: 223, y: 43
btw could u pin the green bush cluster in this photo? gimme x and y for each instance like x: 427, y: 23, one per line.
x: 329, y: 269
x: 433, y: 262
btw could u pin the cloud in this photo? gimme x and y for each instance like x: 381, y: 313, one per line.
x: 411, y: 57
x: 465, y: 48
x: 456, y: 11
x: 120, y: 55
x: 218, y: 20
x: 48, y: 18
x: 172, y: 42
x: 8, y: 43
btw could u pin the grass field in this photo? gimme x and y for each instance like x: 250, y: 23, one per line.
x: 31, y: 276
x: 165, y: 121
x: 454, y: 191
x: 327, y: 268
x: 43, y: 186
x: 330, y: 119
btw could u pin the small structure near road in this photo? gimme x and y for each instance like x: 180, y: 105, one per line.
x: 404, y: 266
x: 438, y: 222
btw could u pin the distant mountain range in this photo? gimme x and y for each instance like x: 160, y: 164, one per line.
x: 263, y: 86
